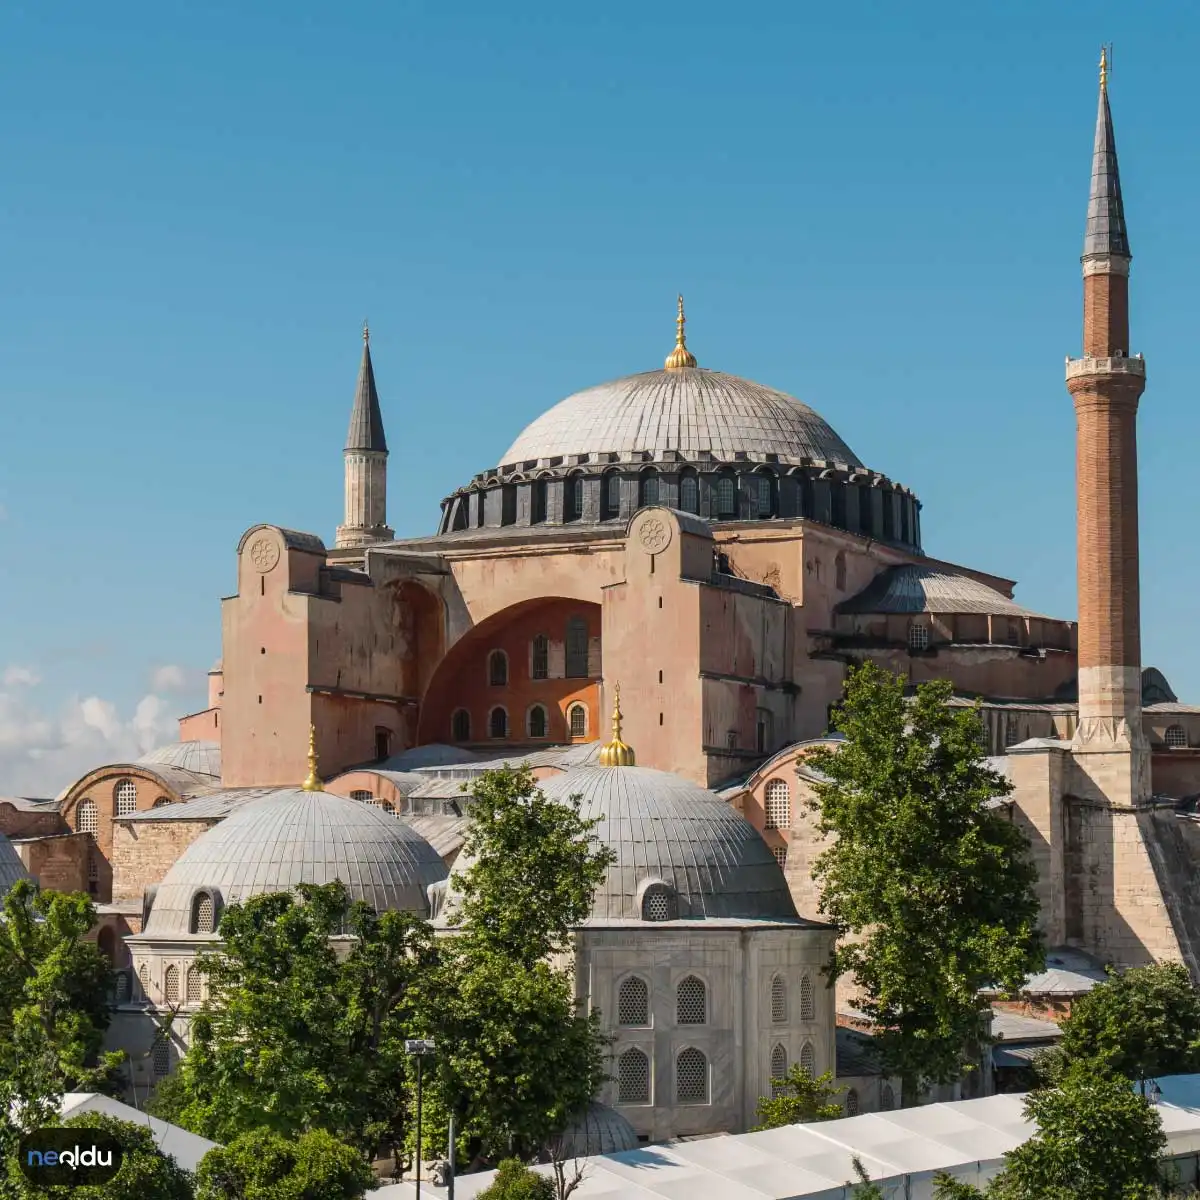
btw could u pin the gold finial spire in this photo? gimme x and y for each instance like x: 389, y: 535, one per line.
x: 616, y: 753
x: 366, y: 333
x: 681, y: 356
x: 1105, y: 55
x: 313, y: 782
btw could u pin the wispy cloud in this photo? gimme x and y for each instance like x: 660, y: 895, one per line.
x: 170, y: 677
x: 18, y: 676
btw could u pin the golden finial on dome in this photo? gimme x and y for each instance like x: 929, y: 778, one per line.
x: 616, y: 753
x: 681, y: 356
x: 1105, y: 54
x: 313, y: 782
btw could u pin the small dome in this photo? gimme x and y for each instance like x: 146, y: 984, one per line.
x: 668, y: 831
x: 11, y: 866
x: 691, y: 411
x: 201, y: 758
x: 598, y: 1130
x: 291, y: 837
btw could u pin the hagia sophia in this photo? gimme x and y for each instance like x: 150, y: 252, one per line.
x: 716, y: 551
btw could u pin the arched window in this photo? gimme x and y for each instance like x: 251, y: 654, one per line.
x: 86, y: 818
x: 194, y: 985
x: 539, y: 658
x: 1012, y: 732
x: 808, y: 1058
x: 204, y: 913
x: 633, y: 1002
x: 161, y: 802
x: 689, y: 492
x: 659, y: 903
x: 633, y: 1078
x: 93, y: 866
x: 918, y: 636
x: 106, y: 943
x: 1175, y: 736
x: 171, y: 984
x: 364, y: 797
x: 577, y: 718
x: 121, y: 987
x: 498, y: 723
x: 161, y: 1055
x: 537, y: 502
x: 887, y: 1098
x: 779, y: 805
x: 386, y: 807
x: 143, y: 973
x: 537, y: 721
x: 611, y: 497
x: 460, y: 726
x: 498, y: 668
x: 852, y: 1103
x: 691, y: 1077
x: 649, y: 489
x: 764, y: 495
x: 691, y: 1002
x: 577, y: 648
x: 778, y: 1064
x: 573, y: 498
x: 778, y: 1000
x: 726, y: 496
x: 808, y: 1006
x: 125, y: 796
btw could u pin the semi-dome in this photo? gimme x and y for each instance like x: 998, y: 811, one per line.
x: 597, y: 1130
x: 691, y: 411
x: 293, y: 836
x: 201, y: 758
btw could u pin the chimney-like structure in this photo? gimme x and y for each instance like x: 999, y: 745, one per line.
x: 1106, y: 384
x: 366, y: 464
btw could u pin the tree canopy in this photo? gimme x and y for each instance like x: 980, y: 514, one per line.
x: 798, y: 1098
x: 264, y: 1165
x: 935, y: 886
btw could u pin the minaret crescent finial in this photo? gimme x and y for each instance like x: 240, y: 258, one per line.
x: 313, y: 782
x: 616, y: 753
x: 681, y: 356
x: 366, y: 332
x: 1105, y: 55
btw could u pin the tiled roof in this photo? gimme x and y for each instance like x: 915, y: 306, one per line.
x: 212, y: 806
x: 29, y: 804
x: 914, y: 589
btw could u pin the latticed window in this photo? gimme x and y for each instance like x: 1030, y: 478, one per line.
x: 808, y: 1058
x: 808, y: 1006
x: 365, y: 797
x: 633, y: 1078
x: 852, y: 1103
x: 1012, y: 732
x: 778, y: 1000
x: 498, y: 723
x: 1175, y: 736
x: 762, y: 495
x: 193, y: 986
x: 144, y: 979
x: 460, y: 726
x: 778, y: 1064
x: 86, y: 820
x: 162, y: 1057
x: 121, y: 987
x: 633, y: 1002
x: 691, y: 1077
x: 537, y: 721
x: 887, y: 1098
x: 93, y: 867
x: 918, y: 636
x: 658, y: 903
x: 578, y: 719
x: 171, y: 984
x: 539, y: 667
x: 780, y: 853
x: 497, y: 668
x: 386, y: 807
x: 779, y: 804
x: 726, y: 497
x: 203, y: 914
x: 161, y: 802
x: 689, y: 494
x: 125, y: 794
x: 649, y: 489
x: 691, y: 1007
x: 577, y: 648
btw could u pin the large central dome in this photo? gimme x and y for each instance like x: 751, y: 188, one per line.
x: 689, y: 410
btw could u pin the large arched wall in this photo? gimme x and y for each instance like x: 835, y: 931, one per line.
x: 462, y: 680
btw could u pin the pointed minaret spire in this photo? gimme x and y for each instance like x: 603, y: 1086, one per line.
x: 365, y: 455
x: 1105, y: 233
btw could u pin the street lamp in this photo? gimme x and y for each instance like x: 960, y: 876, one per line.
x: 418, y: 1048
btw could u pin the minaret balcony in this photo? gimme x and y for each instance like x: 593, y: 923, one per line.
x: 1083, y: 368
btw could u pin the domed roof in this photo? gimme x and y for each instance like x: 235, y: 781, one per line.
x: 597, y: 1130
x: 689, y: 410
x: 202, y: 758
x: 11, y: 866
x: 294, y: 836
x: 664, y: 828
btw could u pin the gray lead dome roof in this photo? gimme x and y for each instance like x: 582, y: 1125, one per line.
x: 664, y: 828
x: 690, y: 411
x: 292, y: 837
x: 11, y: 866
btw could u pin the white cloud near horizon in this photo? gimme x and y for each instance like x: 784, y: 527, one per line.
x: 18, y: 676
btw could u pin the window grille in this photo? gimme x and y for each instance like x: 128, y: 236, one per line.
x: 780, y: 853
x: 918, y: 636
x: 144, y: 979
x: 497, y: 668
x: 161, y: 802
x: 193, y: 986
x: 779, y: 805
x: 633, y: 1078
x: 86, y: 818
x: 612, y: 495
x: 540, y: 665
x: 852, y: 1103
x: 691, y: 1077
x: 762, y: 495
x: 204, y: 916
x: 1012, y: 733
x: 1175, y: 736
x: 726, y: 497
x: 887, y: 1098
x: 808, y: 1059
x: 126, y: 797
x: 578, y: 718
x: 537, y: 721
x: 691, y: 1002
x: 460, y: 726
x: 121, y: 987
x: 689, y: 494
x: 778, y: 1000
x: 808, y: 1007
x: 658, y: 904
x: 633, y: 1002
x: 171, y: 984
x: 93, y: 867
x: 778, y: 1064
x: 498, y: 723
x: 386, y: 807
x: 162, y: 1058
x: 649, y: 489
x: 364, y: 797
x: 577, y: 648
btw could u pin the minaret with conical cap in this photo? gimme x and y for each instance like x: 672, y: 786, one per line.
x: 366, y: 464
x: 1106, y: 384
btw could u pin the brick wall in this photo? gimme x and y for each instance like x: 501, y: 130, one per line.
x: 59, y: 862
x: 144, y: 851
x: 19, y: 822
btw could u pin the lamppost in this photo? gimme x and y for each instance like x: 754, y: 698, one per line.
x: 418, y: 1048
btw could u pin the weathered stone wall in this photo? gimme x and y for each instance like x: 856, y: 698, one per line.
x: 58, y: 862
x: 21, y: 822
x: 144, y: 851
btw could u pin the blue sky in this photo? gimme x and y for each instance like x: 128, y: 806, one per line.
x: 876, y: 207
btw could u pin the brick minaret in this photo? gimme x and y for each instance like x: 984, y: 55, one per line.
x: 1106, y: 384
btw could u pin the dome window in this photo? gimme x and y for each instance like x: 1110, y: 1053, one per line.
x: 537, y: 721
x: 649, y: 489
x: 577, y: 719
x: 633, y: 1002
x: 659, y: 903
x: 86, y: 818
x: 633, y: 1078
x: 779, y: 805
x: 537, y: 502
x: 161, y: 802
x: 498, y: 668
x: 125, y: 795
x: 918, y: 636
x: 691, y: 1077
x: 808, y: 1007
x: 691, y: 1002
x: 460, y: 726
x: 539, y: 659
x: 577, y: 648
x: 498, y: 723
x: 1176, y: 737
x: 689, y: 493
x: 764, y: 495
x: 726, y: 497
x: 611, y: 497
x: 573, y: 498
x: 204, y: 913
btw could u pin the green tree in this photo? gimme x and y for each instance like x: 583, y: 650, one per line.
x: 264, y: 1165
x: 145, y: 1174
x: 1141, y: 1024
x: 936, y: 887
x: 515, y: 1181
x: 864, y: 1189
x: 797, y: 1098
